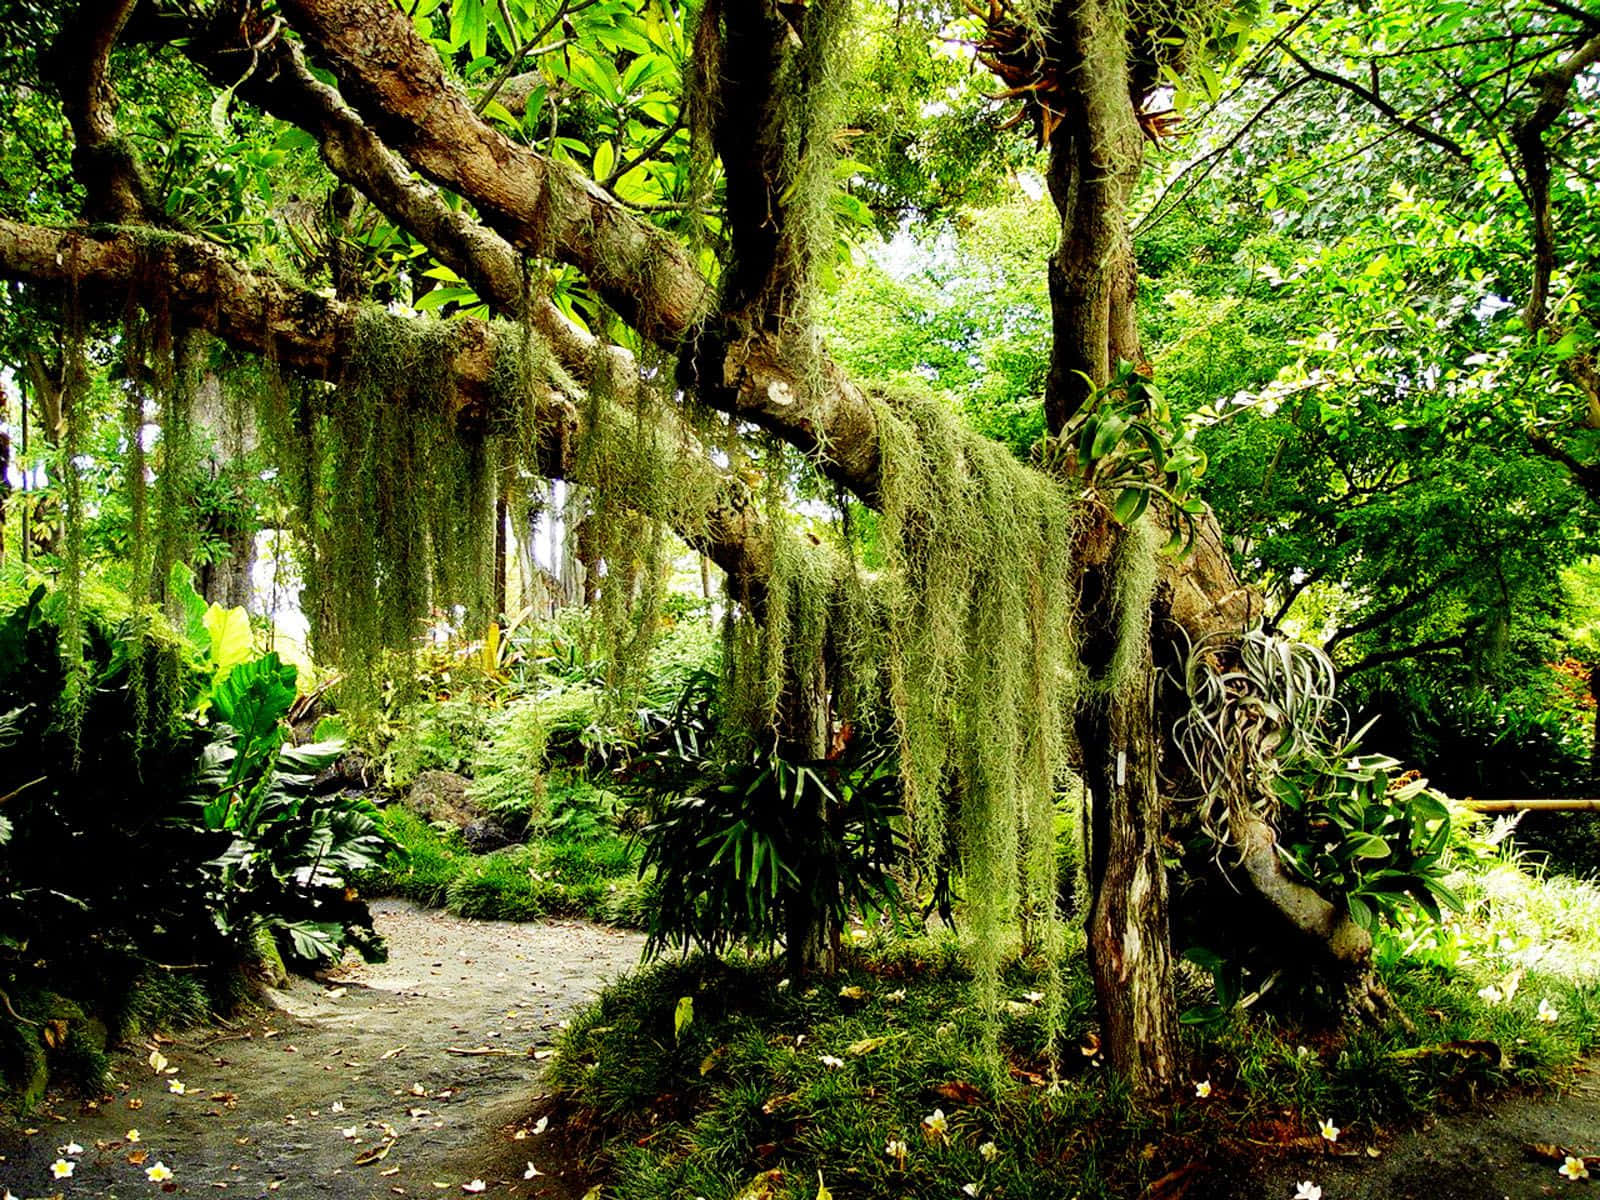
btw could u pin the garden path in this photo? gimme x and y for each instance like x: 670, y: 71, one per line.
x: 257, y: 1117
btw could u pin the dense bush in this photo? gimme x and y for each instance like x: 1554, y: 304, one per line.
x: 750, y: 848
x: 155, y: 820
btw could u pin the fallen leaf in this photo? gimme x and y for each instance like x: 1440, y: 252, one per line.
x: 138, y: 1157
x: 960, y: 1091
x: 157, y: 1061
x: 392, y: 1053
x: 865, y: 1045
x: 375, y: 1154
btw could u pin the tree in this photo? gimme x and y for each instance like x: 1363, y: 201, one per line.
x: 658, y: 268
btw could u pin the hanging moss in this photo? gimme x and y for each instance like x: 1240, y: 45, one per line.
x: 1134, y: 573
x: 74, y: 413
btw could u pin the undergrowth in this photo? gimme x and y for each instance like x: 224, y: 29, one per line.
x: 770, y: 1083
x: 594, y: 877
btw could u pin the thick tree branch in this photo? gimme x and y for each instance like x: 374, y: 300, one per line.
x: 399, y: 85
x: 79, y: 67
x: 201, y: 285
x: 1458, y: 641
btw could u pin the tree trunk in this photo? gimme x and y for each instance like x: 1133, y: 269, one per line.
x: 1129, y: 924
x: 812, y: 935
x: 1594, y: 741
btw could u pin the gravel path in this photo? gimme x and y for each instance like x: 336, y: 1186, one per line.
x: 350, y: 1088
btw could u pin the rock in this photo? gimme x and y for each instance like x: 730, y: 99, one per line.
x: 487, y: 834
x: 442, y: 796
x: 349, y: 773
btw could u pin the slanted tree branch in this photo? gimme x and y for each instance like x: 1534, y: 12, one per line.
x: 204, y: 286
x: 1554, y: 87
x: 1381, y: 106
x: 79, y: 66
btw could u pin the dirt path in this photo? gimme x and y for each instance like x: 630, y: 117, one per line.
x: 286, y: 1104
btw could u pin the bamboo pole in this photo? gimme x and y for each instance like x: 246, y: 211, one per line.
x: 1495, y: 806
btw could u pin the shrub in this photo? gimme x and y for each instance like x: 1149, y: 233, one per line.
x: 750, y: 848
x: 154, y: 813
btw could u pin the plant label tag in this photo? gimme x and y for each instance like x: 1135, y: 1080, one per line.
x: 1122, y: 767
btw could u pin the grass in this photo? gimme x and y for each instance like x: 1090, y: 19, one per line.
x: 594, y: 877
x: 742, y: 1103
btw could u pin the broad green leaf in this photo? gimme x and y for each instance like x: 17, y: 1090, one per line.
x: 232, y: 639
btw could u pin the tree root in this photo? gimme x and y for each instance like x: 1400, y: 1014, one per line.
x: 1343, y: 946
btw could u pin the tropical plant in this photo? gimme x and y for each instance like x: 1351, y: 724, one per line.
x: 751, y: 848
x: 1265, y: 740
x: 1127, y: 443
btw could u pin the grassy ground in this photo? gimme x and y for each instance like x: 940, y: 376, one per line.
x: 594, y: 876
x: 769, y: 1084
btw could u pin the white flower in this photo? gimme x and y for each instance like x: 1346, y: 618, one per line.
x: 477, y: 1185
x: 62, y: 1169
x: 1329, y: 1130
x: 351, y: 1132
x: 1033, y: 997
x: 132, y: 1135
x: 71, y: 1149
x: 1202, y: 1090
x: 897, y: 1150
x: 969, y: 1189
x: 896, y: 996
x: 936, y: 1122
x: 159, y: 1173
x: 540, y: 1126
x: 1548, y: 1013
x: 1490, y: 994
x: 1307, y: 1191
x: 783, y: 985
x: 1574, y: 1168
x: 989, y: 1151
x: 829, y: 1060
x: 176, y: 1087
x: 338, y: 1106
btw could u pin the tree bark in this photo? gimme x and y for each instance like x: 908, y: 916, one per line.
x: 1130, y: 951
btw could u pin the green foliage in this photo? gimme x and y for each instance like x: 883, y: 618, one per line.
x: 508, y: 767
x: 184, y: 829
x: 1354, y: 828
x: 771, y: 1076
x: 749, y: 848
x: 1126, y: 442
x: 595, y: 876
